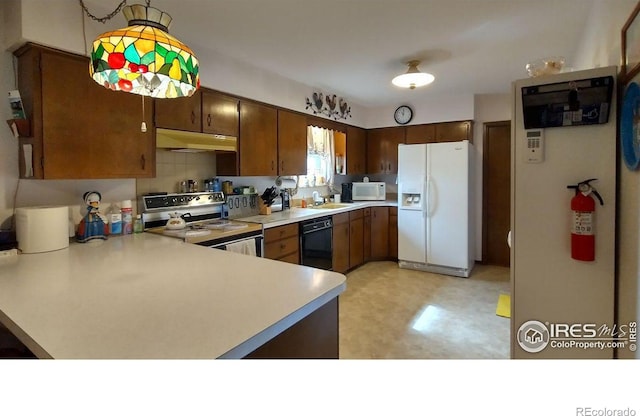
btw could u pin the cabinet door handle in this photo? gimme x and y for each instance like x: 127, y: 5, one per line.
x: 381, y: 167
x: 193, y: 118
x: 209, y: 120
x: 281, y: 166
x: 389, y: 167
x: 273, y: 166
x: 282, y: 246
x: 143, y: 161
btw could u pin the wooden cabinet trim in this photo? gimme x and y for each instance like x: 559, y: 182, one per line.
x: 278, y: 233
x: 353, y: 215
x: 278, y: 249
x: 340, y: 218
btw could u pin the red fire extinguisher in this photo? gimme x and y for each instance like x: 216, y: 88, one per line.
x: 583, y: 207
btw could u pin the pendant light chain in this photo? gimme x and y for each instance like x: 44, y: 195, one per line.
x: 107, y: 17
x: 143, y: 125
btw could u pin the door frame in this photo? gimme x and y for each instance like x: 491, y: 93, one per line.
x: 485, y: 201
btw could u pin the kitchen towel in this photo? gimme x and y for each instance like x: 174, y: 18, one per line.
x: 247, y: 247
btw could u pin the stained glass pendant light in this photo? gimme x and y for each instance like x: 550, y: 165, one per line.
x: 144, y: 58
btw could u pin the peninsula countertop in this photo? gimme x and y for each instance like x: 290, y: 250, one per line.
x: 149, y: 296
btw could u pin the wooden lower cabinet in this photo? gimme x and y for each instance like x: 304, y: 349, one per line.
x: 393, y: 232
x: 315, y: 336
x: 366, y: 235
x: 341, y: 242
x: 356, y: 238
x: 379, y: 233
x: 282, y: 243
x: 348, y: 240
x: 359, y: 236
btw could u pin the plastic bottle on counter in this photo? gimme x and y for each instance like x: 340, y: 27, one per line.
x: 127, y: 217
x: 115, y: 220
x: 138, y: 226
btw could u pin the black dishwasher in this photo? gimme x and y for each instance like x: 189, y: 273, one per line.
x: 316, y: 245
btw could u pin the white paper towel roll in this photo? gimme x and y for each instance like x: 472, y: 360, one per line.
x: 40, y: 229
x: 285, y: 183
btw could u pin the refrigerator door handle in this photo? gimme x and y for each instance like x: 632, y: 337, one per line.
x: 425, y: 202
x: 431, y: 201
x: 427, y: 205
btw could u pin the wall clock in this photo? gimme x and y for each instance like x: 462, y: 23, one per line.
x: 403, y: 114
x: 630, y: 126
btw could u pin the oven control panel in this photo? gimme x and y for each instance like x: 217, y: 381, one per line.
x: 197, y: 199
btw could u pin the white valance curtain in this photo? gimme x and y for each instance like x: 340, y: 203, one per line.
x: 320, y: 142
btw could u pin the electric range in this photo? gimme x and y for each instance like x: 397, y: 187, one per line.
x: 207, y: 221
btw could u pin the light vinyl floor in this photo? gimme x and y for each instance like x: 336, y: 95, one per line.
x: 388, y: 312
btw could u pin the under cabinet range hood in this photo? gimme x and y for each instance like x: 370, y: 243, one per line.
x: 186, y: 141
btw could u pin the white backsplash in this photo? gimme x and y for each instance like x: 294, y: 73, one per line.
x: 175, y: 167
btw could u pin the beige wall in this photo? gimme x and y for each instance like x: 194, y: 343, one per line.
x: 487, y: 108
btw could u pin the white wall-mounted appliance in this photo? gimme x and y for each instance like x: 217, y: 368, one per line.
x: 550, y: 289
x: 369, y: 191
x: 435, y: 218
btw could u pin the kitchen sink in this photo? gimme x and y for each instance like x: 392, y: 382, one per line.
x: 330, y: 206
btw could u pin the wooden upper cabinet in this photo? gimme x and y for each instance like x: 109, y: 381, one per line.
x: 104, y: 141
x: 180, y: 113
x: 206, y: 111
x: 292, y: 143
x: 454, y: 131
x: 258, y: 139
x: 219, y: 113
x: 421, y: 133
x: 356, y: 151
x: 382, y: 149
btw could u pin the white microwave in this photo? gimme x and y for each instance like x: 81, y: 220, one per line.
x: 368, y: 191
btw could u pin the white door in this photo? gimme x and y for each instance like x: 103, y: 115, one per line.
x: 447, y: 204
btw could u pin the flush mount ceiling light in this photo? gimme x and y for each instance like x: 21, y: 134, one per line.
x: 413, y: 77
x: 143, y: 58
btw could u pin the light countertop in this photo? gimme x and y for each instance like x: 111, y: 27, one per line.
x: 149, y: 296
x: 297, y: 214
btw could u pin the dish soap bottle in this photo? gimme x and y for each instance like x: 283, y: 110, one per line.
x: 138, y: 226
x: 127, y: 217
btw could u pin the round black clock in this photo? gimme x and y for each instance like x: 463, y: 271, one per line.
x: 403, y: 114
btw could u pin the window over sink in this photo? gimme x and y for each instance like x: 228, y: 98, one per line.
x: 320, y: 157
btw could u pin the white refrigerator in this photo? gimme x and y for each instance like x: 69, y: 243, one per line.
x: 435, y: 221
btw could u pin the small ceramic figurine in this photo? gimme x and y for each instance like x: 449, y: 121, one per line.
x: 94, y: 224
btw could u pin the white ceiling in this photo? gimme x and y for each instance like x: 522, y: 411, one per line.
x: 354, y: 47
